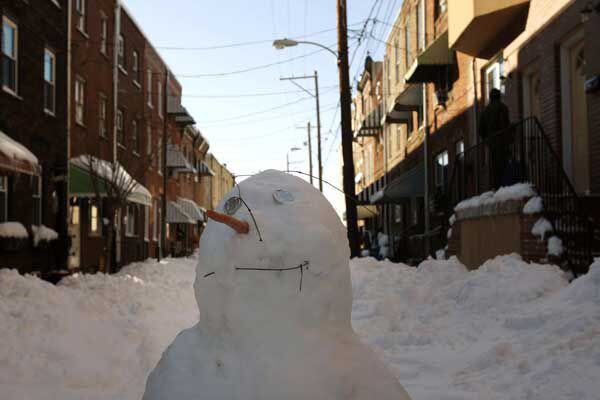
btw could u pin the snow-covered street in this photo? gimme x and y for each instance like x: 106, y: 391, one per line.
x: 506, y: 331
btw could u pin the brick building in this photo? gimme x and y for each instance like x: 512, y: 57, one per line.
x: 33, y: 135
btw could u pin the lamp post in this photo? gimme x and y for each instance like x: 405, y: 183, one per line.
x: 345, y: 108
x: 287, y: 157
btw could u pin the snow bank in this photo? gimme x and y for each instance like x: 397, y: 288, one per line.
x: 13, y: 230
x: 555, y: 246
x: 535, y: 205
x: 541, y: 227
x: 93, y: 336
x: 518, y: 191
x: 509, y: 330
x: 42, y: 233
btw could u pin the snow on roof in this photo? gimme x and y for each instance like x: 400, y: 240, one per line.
x: 13, y: 230
x: 13, y: 149
x: 112, y: 172
x: 518, y: 191
x: 42, y: 233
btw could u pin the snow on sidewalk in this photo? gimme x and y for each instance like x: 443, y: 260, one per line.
x: 507, y: 331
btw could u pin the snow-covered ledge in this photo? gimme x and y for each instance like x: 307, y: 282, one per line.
x: 506, y: 200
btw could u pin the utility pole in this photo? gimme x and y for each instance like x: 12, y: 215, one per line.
x: 310, y: 169
x: 346, y: 118
x: 319, y: 133
x: 316, y: 96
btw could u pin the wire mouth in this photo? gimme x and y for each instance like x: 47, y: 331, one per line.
x: 237, y: 225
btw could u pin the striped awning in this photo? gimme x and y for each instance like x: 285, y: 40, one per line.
x: 191, y: 208
x: 177, y: 215
x: 204, y: 169
x: 177, y: 161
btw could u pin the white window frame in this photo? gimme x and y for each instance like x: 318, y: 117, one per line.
x: 97, y: 218
x: 52, y: 80
x: 80, y: 100
x: 496, y: 69
x: 104, y: 35
x: 159, y: 101
x: 459, y: 148
x: 15, y: 53
x: 136, y: 67
x: 121, y: 52
x: 397, y: 59
x: 159, y: 158
x: 4, y: 194
x: 407, y: 53
x: 149, y: 87
x: 421, y: 25
x: 149, y: 142
x: 102, y: 115
x: 80, y: 7
x: 120, y: 123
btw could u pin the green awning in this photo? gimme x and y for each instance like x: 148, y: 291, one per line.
x: 410, y: 184
x: 81, y: 183
x: 430, y: 64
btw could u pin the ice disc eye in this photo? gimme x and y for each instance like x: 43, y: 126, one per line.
x: 283, y: 196
x: 232, y: 205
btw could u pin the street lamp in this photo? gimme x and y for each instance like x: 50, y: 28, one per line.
x: 346, y: 121
x: 287, y: 157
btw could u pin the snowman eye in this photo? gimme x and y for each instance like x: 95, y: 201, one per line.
x: 232, y: 205
x: 283, y: 196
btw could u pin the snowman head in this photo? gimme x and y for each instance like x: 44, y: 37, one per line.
x: 273, y: 256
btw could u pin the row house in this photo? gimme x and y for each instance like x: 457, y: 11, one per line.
x: 33, y: 135
x: 107, y: 158
x: 442, y: 60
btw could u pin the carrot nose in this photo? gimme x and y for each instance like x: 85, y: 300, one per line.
x: 234, y: 223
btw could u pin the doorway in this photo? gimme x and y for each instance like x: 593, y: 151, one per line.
x: 574, y: 113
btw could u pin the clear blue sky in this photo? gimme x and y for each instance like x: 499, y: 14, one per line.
x: 250, y: 143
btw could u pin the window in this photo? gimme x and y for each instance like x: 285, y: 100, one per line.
x: 79, y: 100
x: 493, y: 77
x: 3, y: 198
x: 135, y: 137
x: 103, y: 35
x: 120, y: 127
x: 398, y: 213
x: 131, y: 220
x: 146, y: 223
x: 398, y: 136
x: 49, y: 81
x: 159, y: 99
x: 460, y: 148
x: 10, y: 58
x: 136, y: 67
x: 121, y: 51
x: 441, y: 169
x: 36, y: 183
x: 149, y: 141
x: 407, y: 52
x: 102, y: 108
x: 421, y: 24
x: 149, y: 88
x: 80, y: 14
x: 94, y: 220
x: 156, y: 224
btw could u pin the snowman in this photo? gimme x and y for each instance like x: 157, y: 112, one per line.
x: 274, y: 292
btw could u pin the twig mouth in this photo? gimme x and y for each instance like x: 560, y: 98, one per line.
x: 298, y: 267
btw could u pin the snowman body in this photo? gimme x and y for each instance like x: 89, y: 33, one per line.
x: 275, y: 307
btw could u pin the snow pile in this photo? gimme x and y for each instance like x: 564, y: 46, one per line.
x: 383, y: 241
x: 541, y: 227
x: 518, y: 191
x: 42, y: 233
x: 535, y: 205
x: 509, y: 330
x: 93, y: 336
x: 555, y: 246
x: 13, y: 149
x: 13, y: 230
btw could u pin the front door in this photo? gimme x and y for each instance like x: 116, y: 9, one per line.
x: 75, y: 235
x: 579, y: 122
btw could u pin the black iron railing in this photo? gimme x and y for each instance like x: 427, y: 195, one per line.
x: 522, y: 153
